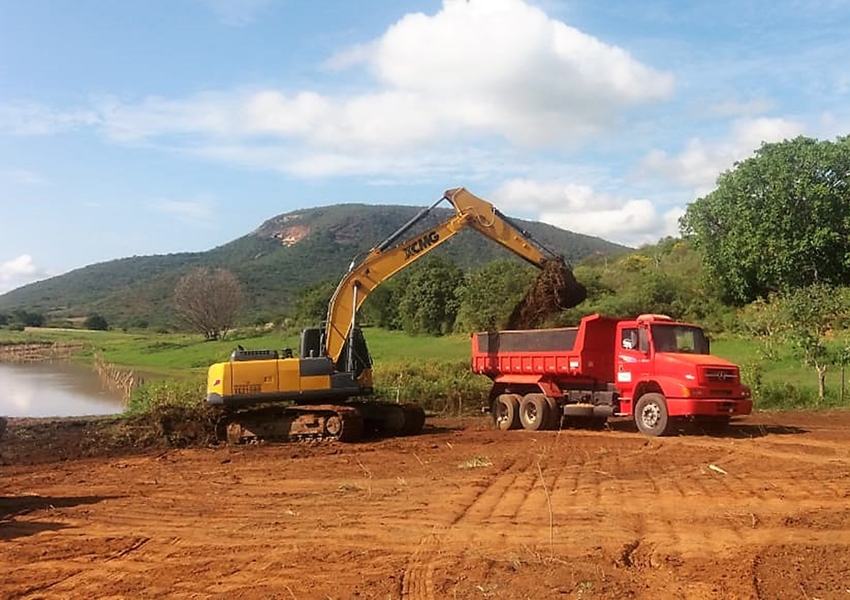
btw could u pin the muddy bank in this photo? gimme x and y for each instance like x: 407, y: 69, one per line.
x: 54, y: 439
x: 118, y: 379
x: 38, y: 351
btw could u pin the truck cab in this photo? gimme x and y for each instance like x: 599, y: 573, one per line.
x: 665, y: 369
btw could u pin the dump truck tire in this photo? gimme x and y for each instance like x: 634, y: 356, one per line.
x: 506, y: 412
x: 534, y: 412
x: 651, y: 415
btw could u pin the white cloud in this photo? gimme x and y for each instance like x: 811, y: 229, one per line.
x: 504, y: 67
x: 700, y: 163
x: 28, y: 118
x: 237, y: 13
x: 211, y: 114
x: 19, y: 271
x: 476, y: 74
x: 580, y: 208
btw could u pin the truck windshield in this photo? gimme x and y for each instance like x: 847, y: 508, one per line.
x: 679, y: 338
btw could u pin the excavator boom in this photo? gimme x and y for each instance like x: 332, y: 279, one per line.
x: 389, y: 257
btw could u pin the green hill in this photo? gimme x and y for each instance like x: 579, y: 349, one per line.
x: 274, y: 262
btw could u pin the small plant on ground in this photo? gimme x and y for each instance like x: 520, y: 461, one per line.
x: 476, y: 462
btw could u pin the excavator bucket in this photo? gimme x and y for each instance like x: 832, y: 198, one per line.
x: 554, y: 290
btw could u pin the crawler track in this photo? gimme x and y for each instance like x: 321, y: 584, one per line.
x: 342, y: 423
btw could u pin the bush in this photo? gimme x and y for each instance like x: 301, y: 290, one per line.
x: 167, y: 392
x: 96, y: 322
x: 176, y: 409
x: 783, y: 395
x: 438, y: 387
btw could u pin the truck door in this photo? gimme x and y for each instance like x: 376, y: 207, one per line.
x: 632, y: 358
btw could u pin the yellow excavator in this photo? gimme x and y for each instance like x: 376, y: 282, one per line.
x: 268, y: 394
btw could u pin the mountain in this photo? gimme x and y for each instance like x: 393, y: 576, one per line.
x: 274, y: 262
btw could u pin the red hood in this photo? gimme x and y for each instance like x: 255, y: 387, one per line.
x: 699, y: 360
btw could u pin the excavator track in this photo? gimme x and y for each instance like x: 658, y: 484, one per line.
x: 389, y: 419
x: 343, y: 423
x: 291, y: 423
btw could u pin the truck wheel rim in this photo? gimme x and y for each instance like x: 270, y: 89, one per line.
x: 650, y: 415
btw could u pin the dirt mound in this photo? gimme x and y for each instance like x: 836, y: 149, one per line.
x: 41, y: 440
x: 554, y: 290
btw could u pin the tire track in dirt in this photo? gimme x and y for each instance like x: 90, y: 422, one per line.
x: 796, y: 451
x: 660, y: 491
x: 505, y: 497
x: 418, y: 579
x: 736, y: 502
x: 488, y: 496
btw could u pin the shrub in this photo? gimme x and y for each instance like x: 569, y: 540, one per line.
x: 177, y: 411
x: 167, y: 392
x: 783, y: 395
x: 438, y: 387
x: 96, y: 322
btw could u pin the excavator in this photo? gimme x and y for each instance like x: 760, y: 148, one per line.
x: 266, y: 394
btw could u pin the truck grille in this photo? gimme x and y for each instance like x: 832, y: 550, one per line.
x: 719, y: 375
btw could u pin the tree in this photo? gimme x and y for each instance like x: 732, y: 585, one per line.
x: 381, y: 307
x: 311, y: 303
x: 804, y: 318
x: 778, y: 221
x: 208, y: 301
x: 766, y: 321
x: 814, y: 312
x: 28, y: 319
x: 96, y: 322
x: 427, y: 300
x: 489, y: 294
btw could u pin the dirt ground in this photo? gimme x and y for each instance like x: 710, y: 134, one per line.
x: 460, y: 511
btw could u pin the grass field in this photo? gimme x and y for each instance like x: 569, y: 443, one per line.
x: 416, y: 368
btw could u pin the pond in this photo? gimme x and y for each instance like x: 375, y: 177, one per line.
x: 54, y: 389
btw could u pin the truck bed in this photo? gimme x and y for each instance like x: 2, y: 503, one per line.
x: 584, y: 352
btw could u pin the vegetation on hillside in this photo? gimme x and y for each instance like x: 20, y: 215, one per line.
x: 137, y: 292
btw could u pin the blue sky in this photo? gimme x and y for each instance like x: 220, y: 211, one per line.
x: 136, y: 128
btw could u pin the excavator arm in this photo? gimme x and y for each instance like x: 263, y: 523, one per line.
x: 388, y: 258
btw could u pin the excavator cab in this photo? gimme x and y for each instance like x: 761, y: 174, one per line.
x: 354, y: 357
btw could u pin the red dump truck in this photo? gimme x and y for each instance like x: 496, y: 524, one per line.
x: 652, y: 368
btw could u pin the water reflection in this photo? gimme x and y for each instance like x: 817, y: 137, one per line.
x: 54, y: 389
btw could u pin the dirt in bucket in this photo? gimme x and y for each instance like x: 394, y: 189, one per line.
x: 554, y: 290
